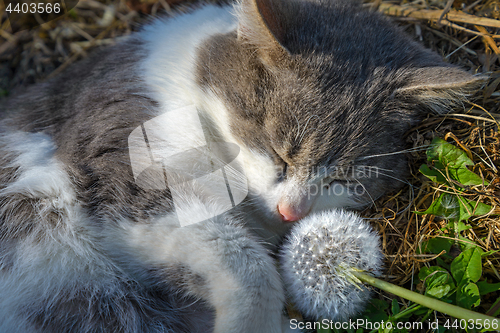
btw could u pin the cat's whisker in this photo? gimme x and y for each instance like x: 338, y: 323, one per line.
x: 305, y: 127
x: 373, y: 167
x: 410, y: 203
x: 410, y: 150
x: 164, y: 108
x: 298, y: 127
x: 366, y: 191
x: 398, y: 179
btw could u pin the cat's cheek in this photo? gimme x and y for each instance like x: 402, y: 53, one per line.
x: 336, y: 196
x: 260, y: 172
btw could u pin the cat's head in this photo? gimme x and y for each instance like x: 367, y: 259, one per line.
x: 319, y: 95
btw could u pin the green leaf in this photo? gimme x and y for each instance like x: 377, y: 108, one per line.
x: 455, y: 208
x: 426, y: 271
x: 433, y: 174
x: 395, y: 307
x: 460, y: 226
x: 486, y: 288
x: 446, y: 206
x: 467, y: 266
x: 375, y: 310
x: 446, y: 156
x: 466, y: 244
x: 440, y: 285
x: 439, y: 290
x: 437, y: 245
x: 438, y: 282
x: 468, y: 295
x: 489, y: 253
x: 470, y: 208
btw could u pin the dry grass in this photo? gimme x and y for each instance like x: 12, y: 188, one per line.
x: 464, y: 32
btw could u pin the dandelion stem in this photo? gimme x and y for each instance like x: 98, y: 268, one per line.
x: 431, y: 303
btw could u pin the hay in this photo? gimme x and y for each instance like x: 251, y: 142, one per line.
x: 464, y: 32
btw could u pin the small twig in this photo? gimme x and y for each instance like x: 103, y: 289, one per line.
x: 434, y: 15
x: 472, y: 5
x: 488, y: 39
x: 445, y: 11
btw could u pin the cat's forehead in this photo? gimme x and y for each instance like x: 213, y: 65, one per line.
x: 315, y: 82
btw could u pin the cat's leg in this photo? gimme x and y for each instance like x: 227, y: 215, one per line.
x: 216, y: 260
x: 54, y: 273
x: 62, y: 270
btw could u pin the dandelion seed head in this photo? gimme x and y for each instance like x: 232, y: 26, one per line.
x: 332, y: 245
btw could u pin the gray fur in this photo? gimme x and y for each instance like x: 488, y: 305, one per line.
x: 306, y: 84
x: 350, y: 75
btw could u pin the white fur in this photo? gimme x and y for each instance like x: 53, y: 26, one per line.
x: 39, y: 175
x: 171, y: 45
x: 222, y: 252
x: 246, y: 292
x: 169, y: 70
x: 34, y: 272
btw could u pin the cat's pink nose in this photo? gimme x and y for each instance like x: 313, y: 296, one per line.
x: 289, y: 214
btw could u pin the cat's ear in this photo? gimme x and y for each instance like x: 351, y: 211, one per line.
x: 263, y: 23
x: 440, y: 87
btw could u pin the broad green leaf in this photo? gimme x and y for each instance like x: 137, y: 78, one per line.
x: 486, y: 288
x: 466, y: 244
x: 437, y: 245
x: 446, y: 206
x: 467, y: 266
x: 468, y: 295
x: 438, y: 281
x: 470, y: 208
x: 454, y: 208
x: 426, y: 271
x: 375, y: 310
x: 460, y: 226
x: 446, y: 156
x: 439, y: 290
x: 433, y: 174
x: 440, y: 285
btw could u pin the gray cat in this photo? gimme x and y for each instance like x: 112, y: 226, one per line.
x: 145, y: 188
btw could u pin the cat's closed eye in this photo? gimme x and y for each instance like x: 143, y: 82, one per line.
x: 143, y: 188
